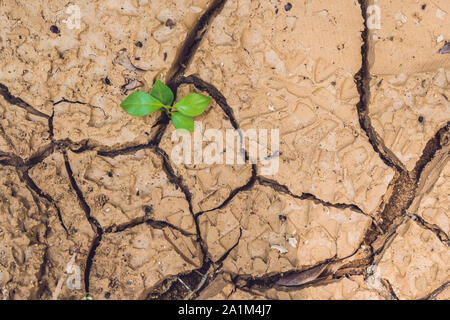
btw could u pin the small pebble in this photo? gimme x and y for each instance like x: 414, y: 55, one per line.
x: 446, y: 48
x: 54, y: 29
x: 147, y: 209
x: 288, y: 6
x: 170, y: 23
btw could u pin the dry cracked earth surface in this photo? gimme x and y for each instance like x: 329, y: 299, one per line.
x: 359, y: 208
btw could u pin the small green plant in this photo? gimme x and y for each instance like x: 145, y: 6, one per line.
x: 141, y: 103
x: 86, y: 296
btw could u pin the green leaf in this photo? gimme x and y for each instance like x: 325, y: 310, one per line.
x: 193, y: 104
x: 140, y: 103
x: 180, y: 121
x: 162, y: 92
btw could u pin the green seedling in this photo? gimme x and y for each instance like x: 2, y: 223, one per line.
x: 141, y: 103
x: 86, y: 296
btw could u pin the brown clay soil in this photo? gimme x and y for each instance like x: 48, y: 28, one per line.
x: 360, y: 205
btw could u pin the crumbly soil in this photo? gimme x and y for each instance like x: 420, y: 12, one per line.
x: 359, y: 208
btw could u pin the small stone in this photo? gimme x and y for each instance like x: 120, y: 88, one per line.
x: 288, y: 6
x: 170, y: 23
x: 445, y: 49
x: 54, y: 29
x: 147, y: 209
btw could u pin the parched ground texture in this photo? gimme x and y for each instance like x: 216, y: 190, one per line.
x: 92, y: 203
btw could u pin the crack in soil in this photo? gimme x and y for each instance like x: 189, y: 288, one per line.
x: 388, y: 286
x: 178, y: 181
x: 442, y: 236
x: 157, y: 224
x: 95, y: 225
x: 192, y: 42
x: 4, y: 91
x: 184, y: 57
x: 29, y: 181
x: 362, y: 79
x: 12, y: 160
x: 234, y: 192
x: 308, y: 196
x: 212, y: 91
x: 436, y: 144
x: 42, y: 285
x: 436, y: 292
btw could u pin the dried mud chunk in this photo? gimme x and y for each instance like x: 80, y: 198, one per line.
x: 444, y: 295
x: 209, y: 179
x: 409, y: 87
x: 259, y: 50
x: 335, y: 163
x: 279, y: 233
x: 354, y: 288
x: 66, y: 261
x: 130, y: 182
x: 5, y: 146
x: 25, y: 134
x: 51, y: 177
x: 416, y: 263
x: 66, y: 252
x: 40, y: 66
x: 408, y: 110
x: 22, y: 239
x: 409, y: 38
x: 222, y: 288
x: 104, y: 124
x: 218, y: 289
x: 128, y: 263
x: 435, y: 206
x: 301, y: 86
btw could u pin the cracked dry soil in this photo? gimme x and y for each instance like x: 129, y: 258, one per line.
x: 359, y: 208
